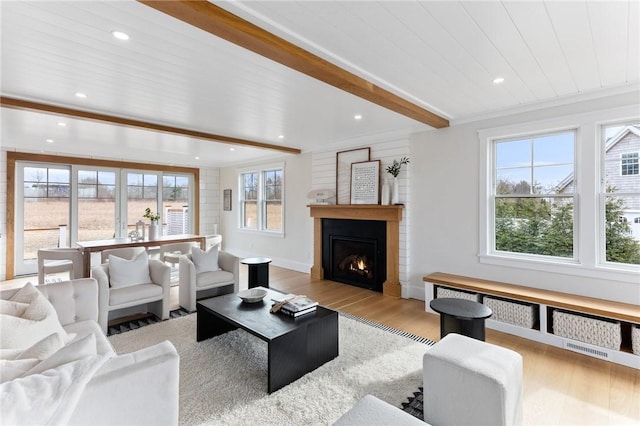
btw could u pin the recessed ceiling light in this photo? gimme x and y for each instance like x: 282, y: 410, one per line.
x: 281, y: 137
x: 62, y: 124
x: 120, y: 35
x: 49, y: 140
x: 232, y: 149
x: 197, y: 158
x: 357, y: 117
x: 498, y: 80
x: 80, y: 95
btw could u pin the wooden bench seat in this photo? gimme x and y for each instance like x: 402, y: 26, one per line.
x: 588, y: 305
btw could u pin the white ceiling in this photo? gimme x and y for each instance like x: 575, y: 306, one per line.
x: 440, y: 55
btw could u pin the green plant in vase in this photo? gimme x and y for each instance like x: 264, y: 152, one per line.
x: 394, y: 170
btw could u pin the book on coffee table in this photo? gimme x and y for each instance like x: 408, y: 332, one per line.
x: 298, y: 313
x: 291, y: 303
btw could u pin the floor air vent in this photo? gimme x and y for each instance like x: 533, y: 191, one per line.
x: 586, y: 350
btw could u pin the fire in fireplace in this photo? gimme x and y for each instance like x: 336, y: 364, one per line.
x: 354, y: 252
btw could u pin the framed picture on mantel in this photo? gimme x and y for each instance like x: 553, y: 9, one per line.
x: 344, y: 159
x: 365, y: 182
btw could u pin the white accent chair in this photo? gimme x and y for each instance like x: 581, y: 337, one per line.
x: 153, y: 297
x: 58, y: 260
x: 208, y: 284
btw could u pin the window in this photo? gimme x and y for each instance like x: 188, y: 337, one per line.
x: 620, y: 192
x: 629, y: 164
x: 261, y: 199
x: 533, y: 195
x: 544, y: 206
x: 249, y: 201
x: 272, y: 200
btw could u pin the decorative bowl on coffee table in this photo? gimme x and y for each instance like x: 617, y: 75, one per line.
x: 252, y: 295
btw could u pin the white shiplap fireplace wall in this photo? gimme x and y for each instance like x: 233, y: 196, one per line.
x: 323, y: 176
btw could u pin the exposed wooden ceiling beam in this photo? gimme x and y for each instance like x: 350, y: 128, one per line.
x: 7, y: 102
x: 219, y: 22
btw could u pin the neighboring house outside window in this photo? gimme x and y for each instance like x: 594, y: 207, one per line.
x: 620, y: 193
x: 262, y: 199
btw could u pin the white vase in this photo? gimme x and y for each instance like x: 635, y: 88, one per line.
x: 395, y: 192
x: 154, y: 230
x: 385, y: 195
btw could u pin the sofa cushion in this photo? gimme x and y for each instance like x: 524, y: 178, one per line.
x: 126, y: 273
x: 119, y: 296
x: 13, y: 368
x: 84, y: 328
x: 38, y: 321
x: 210, y: 279
x: 13, y: 308
x: 205, y: 261
x: 74, y: 351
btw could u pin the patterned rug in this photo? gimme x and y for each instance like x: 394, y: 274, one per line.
x: 413, y: 405
x: 141, y: 322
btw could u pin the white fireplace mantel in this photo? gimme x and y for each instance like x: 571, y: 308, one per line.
x: 390, y: 214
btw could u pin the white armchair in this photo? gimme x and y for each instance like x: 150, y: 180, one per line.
x: 195, y: 286
x: 139, y: 296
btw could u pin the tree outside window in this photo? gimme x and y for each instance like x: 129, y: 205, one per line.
x: 262, y: 203
x: 534, y: 195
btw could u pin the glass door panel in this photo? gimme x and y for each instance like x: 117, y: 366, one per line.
x: 45, y: 218
x: 142, y: 193
x: 175, y: 205
x: 96, y: 204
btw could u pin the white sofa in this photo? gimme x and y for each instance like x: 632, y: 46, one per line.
x: 138, y: 388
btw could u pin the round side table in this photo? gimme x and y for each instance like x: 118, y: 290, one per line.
x: 461, y: 316
x: 258, y: 271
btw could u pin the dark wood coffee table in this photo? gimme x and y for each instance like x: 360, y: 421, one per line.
x: 296, y: 346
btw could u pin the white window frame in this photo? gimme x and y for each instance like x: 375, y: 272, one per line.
x: 588, y: 222
x: 261, y: 202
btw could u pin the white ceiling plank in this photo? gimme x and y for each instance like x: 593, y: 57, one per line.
x: 499, y: 28
x: 439, y: 54
x: 609, y: 24
x: 453, y: 17
x: 533, y: 24
x: 571, y: 24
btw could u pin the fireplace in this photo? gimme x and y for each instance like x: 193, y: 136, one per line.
x: 354, y: 252
x: 389, y: 215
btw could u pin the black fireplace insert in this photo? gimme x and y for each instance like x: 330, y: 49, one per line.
x: 354, y: 252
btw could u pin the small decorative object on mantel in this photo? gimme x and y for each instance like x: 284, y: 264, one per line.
x: 154, y: 226
x: 394, y: 170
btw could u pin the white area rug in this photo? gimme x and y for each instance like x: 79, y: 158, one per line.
x: 223, y: 380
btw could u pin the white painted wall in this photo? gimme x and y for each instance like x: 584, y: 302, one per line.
x: 294, y: 250
x: 445, y: 170
x: 210, y: 201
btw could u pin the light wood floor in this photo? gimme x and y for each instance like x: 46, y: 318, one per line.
x: 560, y: 387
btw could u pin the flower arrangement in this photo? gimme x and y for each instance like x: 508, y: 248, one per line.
x: 152, y: 217
x: 394, y: 169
